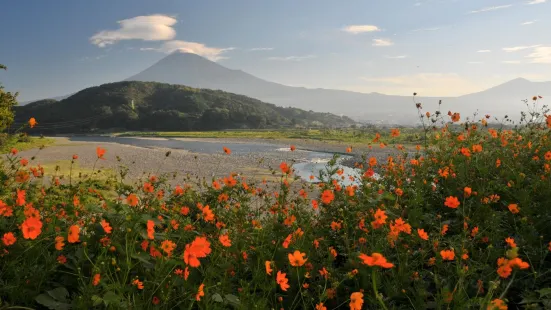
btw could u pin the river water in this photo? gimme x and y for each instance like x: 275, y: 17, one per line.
x: 310, y: 163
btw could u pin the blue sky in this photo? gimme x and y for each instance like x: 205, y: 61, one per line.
x: 434, y: 47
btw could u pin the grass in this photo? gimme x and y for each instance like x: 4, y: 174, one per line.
x: 32, y: 143
x: 352, y: 137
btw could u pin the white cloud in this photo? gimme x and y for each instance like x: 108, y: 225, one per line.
x: 147, y: 28
x: 212, y: 53
x: 484, y: 51
x: 357, y: 29
x: 519, y: 48
x: 382, y: 42
x: 475, y: 62
x: 537, y: 1
x: 426, y: 84
x: 292, y: 58
x: 491, y: 8
x: 258, y: 49
x: 512, y: 62
x: 528, y: 22
x: 541, y: 55
x: 396, y: 57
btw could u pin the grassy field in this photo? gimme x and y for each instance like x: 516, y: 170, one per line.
x: 33, y: 142
x: 338, y: 136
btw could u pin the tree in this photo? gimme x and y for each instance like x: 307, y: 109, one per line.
x: 7, y: 101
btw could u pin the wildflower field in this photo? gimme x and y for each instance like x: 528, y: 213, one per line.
x: 461, y: 222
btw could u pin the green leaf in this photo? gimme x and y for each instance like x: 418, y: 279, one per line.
x: 50, y: 303
x: 96, y: 300
x: 232, y: 300
x: 544, y: 292
x: 217, y: 297
x: 59, y: 294
x: 111, y: 298
x: 144, y: 258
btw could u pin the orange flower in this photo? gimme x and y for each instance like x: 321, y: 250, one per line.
x: 226, y: 150
x: 284, y: 167
x: 293, y: 148
x: 399, y: 192
x: 498, y: 163
x: 74, y: 236
x: 148, y: 187
x: 297, y: 259
x: 268, y: 265
x: 199, y: 248
x: 320, y: 306
x: 106, y: 227
x: 282, y: 280
x: 200, y: 292
x: 208, y: 215
x: 132, y: 200
x: 138, y: 284
x: 548, y: 120
x: 327, y: 196
x: 376, y: 259
x: 474, y: 231
x: 466, y: 152
x: 336, y: 225
x: 356, y: 301
x: 513, y: 208
x: 511, y: 242
x: 31, y: 228
x: 477, y: 148
x: 380, y: 219
x: 452, y: 202
x: 518, y: 263
x: 8, y: 239
x: 150, y: 229
x: 100, y: 152
x: 372, y: 161
x: 225, y: 240
x: 32, y: 122
x: 96, y: 279
x: 422, y: 234
x: 394, y: 132
x: 349, y: 149
x: 324, y: 273
x: 168, y: 247
x: 467, y: 192
x: 497, y: 304
x: 21, y: 195
x: 59, y: 244
x: 455, y: 117
x: 447, y: 254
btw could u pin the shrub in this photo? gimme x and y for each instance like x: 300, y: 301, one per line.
x: 461, y: 222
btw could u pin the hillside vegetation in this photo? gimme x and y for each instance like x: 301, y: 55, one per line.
x: 156, y: 106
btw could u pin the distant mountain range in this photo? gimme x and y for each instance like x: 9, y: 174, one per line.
x: 195, y: 71
x: 135, y: 105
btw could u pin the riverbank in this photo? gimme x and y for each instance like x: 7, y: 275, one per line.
x: 189, y: 159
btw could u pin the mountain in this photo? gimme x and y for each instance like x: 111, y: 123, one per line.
x: 134, y: 105
x: 54, y: 98
x: 196, y: 71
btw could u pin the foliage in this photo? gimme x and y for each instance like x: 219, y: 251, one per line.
x: 156, y: 106
x: 352, y: 136
x: 462, y: 223
x: 7, y: 102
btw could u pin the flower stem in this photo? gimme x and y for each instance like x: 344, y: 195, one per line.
x: 374, y: 282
